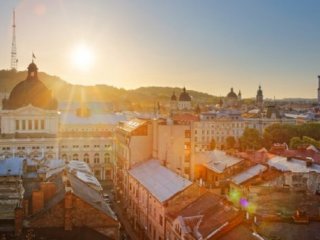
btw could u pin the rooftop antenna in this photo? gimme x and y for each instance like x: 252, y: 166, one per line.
x: 14, y: 60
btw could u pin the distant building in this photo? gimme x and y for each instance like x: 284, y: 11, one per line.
x: 181, y: 104
x: 259, y: 98
x: 232, y: 100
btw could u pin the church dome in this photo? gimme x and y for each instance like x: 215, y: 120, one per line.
x: 232, y: 94
x: 173, y: 97
x: 184, y: 96
x: 30, y: 91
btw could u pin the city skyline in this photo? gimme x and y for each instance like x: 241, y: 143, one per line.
x: 216, y: 44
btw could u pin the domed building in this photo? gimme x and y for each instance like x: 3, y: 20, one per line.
x: 232, y: 100
x: 31, y: 91
x: 29, y: 117
x: 31, y: 127
x: 181, y: 104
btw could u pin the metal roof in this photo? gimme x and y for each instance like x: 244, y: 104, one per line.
x: 102, y: 118
x: 216, y: 160
x: 292, y: 165
x: 131, y: 125
x: 11, y: 166
x: 89, y: 179
x: 161, y: 182
x: 78, y: 166
x: 248, y: 174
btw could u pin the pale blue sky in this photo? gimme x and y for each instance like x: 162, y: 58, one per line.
x: 205, y: 45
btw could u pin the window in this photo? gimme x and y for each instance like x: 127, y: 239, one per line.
x: 187, y: 134
x: 23, y: 124
x: 64, y: 157
x: 75, y: 157
x: 187, y: 146
x: 36, y: 124
x: 17, y: 124
x: 86, y: 158
x: 42, y: 124
x: 29, y: 124
x: 106, y: 158
x: 160, y: 220
x: 96, y: 158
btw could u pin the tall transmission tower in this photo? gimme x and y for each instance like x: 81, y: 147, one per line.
x: 14, y: 60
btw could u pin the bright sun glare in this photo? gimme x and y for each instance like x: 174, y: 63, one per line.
x: 82, y: 57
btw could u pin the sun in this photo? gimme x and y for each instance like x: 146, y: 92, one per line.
x: 82, y: 57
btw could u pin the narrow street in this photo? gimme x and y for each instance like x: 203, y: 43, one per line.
x: 127, y: 231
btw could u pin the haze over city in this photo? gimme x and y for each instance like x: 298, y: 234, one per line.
x: 209, y: 46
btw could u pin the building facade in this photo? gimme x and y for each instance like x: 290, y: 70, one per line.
x: 32, y: 126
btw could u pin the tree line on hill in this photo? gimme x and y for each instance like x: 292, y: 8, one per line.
x: 140, y: 99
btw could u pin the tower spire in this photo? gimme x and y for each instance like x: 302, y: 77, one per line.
x: 14, y: 60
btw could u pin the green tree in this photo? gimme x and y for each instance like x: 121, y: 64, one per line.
x: 310, y: 141
x: 295, y: 142
x: 251, y: 139
x: 281, y: 133
x: 230, y: 142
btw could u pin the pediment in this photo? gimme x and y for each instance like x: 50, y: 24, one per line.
x: 29, y: 110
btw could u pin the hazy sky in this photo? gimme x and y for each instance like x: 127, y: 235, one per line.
x: 205, y: 45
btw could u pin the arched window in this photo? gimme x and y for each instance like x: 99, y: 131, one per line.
x: 96, y: 158
x: 86, y: 157
x: 75, y: 157
x: 64, y: 157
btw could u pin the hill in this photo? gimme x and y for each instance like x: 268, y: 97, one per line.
x: 136, y: 99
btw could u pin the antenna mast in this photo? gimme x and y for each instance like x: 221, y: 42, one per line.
x: 14, y: 60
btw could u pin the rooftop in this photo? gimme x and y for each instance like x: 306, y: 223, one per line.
x: 207, y: 216
x: 158, y: 180
x: 11, y: 166
x: 281, y: 230
x: 131, y: 125
x: 217, y: 160
x: 292, y: 165
x: 78, y: 166
x: 248, y: 174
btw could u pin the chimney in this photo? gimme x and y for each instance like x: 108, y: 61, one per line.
x: 25, y: 203
x: 37, y: 201
x: 309, y: 163
x: 18, y: 212
x: 49, y: 189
